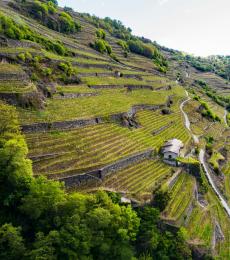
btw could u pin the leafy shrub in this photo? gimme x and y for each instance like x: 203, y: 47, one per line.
x: 123, y: 45
x: 100, y: 33
x: 16, y: 31
x: 102, y: 46
x: 48, y: 14
x: 67, y: 24
x: 47, y: 71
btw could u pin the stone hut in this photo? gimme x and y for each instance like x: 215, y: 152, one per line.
x: 171, y: 150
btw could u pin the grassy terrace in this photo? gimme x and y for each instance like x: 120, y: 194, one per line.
x: 108, y: 102
x: 138, y: 178
x: 162, y: 125
x: 13, y: 79
x: 200, y: 227
x: 181, y: 197
x: 75, y: 89
x: 90, y: 147
x: 158, y: 81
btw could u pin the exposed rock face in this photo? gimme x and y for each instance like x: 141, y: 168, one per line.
x: 126, y: 120
x: 100, y: 174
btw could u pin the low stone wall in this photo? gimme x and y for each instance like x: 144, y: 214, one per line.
x: 63, y: 125
x: 132, y: 87
x: 157, y: 131
x: 75, y: 95
x: 100, y: 174
x: 42, y: 127
x: 105, y: 86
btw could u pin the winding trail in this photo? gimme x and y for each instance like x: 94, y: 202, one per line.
x: 202, y: 158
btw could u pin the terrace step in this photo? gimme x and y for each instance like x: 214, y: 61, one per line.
x: 100, y: 174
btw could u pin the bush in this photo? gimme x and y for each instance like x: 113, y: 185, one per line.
x: 123, y: 45
x: 102, y: 46
x: 67, y: 24
x: 20, y: 32
x: 100, y: 33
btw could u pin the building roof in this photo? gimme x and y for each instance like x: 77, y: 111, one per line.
x: 172, y: 146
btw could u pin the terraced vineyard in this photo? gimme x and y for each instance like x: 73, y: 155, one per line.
x: 142, y: 177
x: 201, y: 227
x: 125, y: 105
x: 182, y: 195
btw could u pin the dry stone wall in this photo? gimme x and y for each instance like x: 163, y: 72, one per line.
x: 100, y: 174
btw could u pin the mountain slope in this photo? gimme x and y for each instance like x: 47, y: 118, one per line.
x: 96, y: 109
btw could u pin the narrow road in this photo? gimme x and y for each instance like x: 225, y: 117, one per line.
x: 202, y: 158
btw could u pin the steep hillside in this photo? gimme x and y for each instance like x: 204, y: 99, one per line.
x: 96, y: 104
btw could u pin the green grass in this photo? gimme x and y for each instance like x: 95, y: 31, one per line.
x: 215, y: 158
x: 107, y: 103
x: 75, y: 89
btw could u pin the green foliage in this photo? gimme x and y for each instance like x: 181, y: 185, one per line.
x: 102, y: 46
x: 67, y: 23
x: 123, y: 45
x: 15, y: 168
x: 11, y: 243
x: 20, y: 32
x: 100, y: 33
x: 161, y: 199
x: 48, y: 14
x: 206, y: 111
x: 67, y: 68
x: 150, y: 51
x: 47, y: 71
x: 159, y: 244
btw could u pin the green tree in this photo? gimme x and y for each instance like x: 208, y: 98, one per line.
x: 11, y: 243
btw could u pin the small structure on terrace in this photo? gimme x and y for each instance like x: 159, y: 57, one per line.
x: 171, y: 150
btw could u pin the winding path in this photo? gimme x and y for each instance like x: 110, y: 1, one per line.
x: 202, y: 158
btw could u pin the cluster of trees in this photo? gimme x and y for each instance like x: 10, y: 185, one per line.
x: 100, y: 43
x: 16, y: 31
x: 217, y: 64
x: 48, y: 14
x: 128, y: 42
x: 39, y: 220
x: 115, y: 27
x: 150, y: 51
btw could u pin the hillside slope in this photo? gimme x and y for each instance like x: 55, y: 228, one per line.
x: 96, y: 109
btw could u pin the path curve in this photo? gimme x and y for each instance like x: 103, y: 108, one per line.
x: 202, y: 158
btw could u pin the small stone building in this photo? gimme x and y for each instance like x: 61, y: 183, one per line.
x: 171, y: 150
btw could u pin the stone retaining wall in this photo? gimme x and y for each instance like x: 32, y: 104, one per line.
x: 105, y: 86
x: 75, y: 95
x: 132, y: 87
x: 42, y: 127
x: 100, y: 174
x: 63, y: 125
